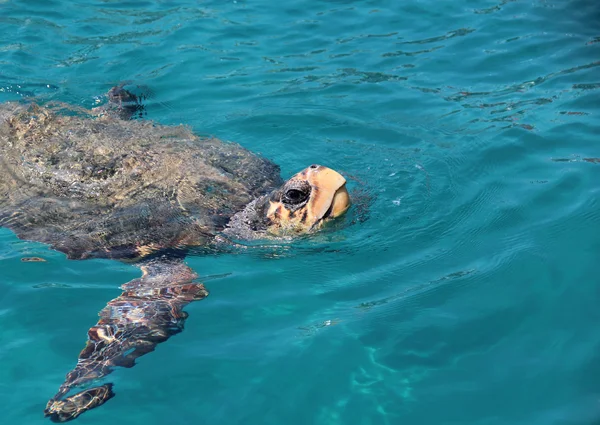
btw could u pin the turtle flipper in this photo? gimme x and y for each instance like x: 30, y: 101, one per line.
x: 148, y: 312
x: 126, y: 103
x: 122, y: 104
x: 71, y: 407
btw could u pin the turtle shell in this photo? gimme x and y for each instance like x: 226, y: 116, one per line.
x: 104, y: 187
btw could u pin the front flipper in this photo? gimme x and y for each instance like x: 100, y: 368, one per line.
x: 148, y: 312
x: 122, y: 104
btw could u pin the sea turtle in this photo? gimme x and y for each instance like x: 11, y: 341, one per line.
x: 96, y: 184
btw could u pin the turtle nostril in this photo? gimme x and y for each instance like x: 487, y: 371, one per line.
x: 314, y: 166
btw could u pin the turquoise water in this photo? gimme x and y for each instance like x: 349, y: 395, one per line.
x: 462, y: 288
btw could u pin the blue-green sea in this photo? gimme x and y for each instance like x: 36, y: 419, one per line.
x: 463, y: 286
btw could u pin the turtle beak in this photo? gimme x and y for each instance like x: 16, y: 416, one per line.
x: 329, y: 198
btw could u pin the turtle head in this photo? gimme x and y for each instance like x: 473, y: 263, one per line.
x: 301, y: 205
x: 306, y: 201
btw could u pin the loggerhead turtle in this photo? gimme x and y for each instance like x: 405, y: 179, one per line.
x: 96, y: 184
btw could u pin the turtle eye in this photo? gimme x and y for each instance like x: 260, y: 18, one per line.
x: 295, y: 196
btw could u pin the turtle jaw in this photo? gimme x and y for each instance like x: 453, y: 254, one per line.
x: 306, y: 201
x: 339, y: 205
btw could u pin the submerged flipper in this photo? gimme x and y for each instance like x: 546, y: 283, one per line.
x: 148, y: 312
x: 123, y: 104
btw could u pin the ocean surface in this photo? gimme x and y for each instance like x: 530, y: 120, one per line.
x: 463, y: 286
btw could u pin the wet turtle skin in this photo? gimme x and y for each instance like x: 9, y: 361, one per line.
x: 94, y: 184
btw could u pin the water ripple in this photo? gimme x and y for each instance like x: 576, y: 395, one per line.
x: 464, y: 272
